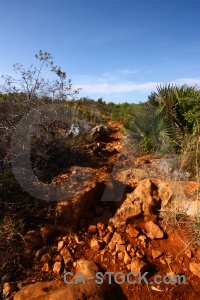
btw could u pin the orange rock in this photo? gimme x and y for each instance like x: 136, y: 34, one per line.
x: 153, y: 231
x: 132, y: 231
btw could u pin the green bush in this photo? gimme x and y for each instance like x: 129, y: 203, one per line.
x: 148, y: 132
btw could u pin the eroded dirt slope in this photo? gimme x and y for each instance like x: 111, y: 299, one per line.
x: 117, y: 240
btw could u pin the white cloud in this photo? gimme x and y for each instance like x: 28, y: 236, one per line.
x: 127, y: 72
x: 126, y: 87
x: 188, y: 81
x: 108, y: 76
x: 122, y: 82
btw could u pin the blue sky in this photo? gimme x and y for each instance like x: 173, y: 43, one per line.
x: 116, y: 49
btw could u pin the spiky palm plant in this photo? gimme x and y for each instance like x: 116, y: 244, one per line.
x: 172, y: 101
x: 148, y: 131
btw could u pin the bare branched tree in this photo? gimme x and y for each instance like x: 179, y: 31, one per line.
x: 30, y: 90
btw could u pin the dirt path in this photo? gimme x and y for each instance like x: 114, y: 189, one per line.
x: 174, y: 253
x: 175, y: 259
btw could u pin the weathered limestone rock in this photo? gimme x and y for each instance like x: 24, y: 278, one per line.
x: 149, y: 197
x: 120, y: 248
x: 56, y: 290
x: 129, y: 247
x: 67, y: 257
x: 127, y: 258
x: 184, y: 197
x: 153, y: 231
x: 188, y: 253
x: 133, y: 173
x: 60, y: 245
x: 92, y: 229
x: 111, y: 246
x: 130, y: 229
x: 194, y: 209
x: 195, y: 268
x: 40, y: 290
x: 169, y: 168
x: 155, y: 194
x: 110, y: 228
x: 8, y: 288
x: 140, y: 254
x: 156, y: 253
x: 120, y: 255
x: 138, y: 266
x: 95, y: 244
x: 169, y: 260
x: 142, y: 238
x: 100, y: 227
x: 108, y: 237
x: 46, y: 267
x: 77, y: 129
x: 173, y: 276
x: 145, y: 167
x: 99, y: 133
x: 133, y: 253
x: 58, y: 258
x: 163, y: 261
x: 117, y: 239
x: 128, y: 210
x: 57, y: 267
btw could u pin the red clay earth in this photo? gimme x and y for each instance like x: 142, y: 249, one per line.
x: 174, y: 247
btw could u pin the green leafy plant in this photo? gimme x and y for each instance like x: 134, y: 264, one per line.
x: 148, y: 131
x: 180, y: 105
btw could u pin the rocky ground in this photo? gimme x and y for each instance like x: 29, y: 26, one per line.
x: 120, y: 214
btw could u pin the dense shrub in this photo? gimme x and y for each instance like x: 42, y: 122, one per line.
x: 148, y: 132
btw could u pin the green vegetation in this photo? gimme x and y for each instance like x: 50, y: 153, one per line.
x: 148, y: 132
x: 164, y: 124
x: 169, y: 122
x: 181, y: 111
x: 169, y: 118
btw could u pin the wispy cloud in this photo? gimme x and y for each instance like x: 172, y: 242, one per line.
x: 115, y: 35
x: 126, y: 87
x: 127, y: 72
x: 188, y: 81
x: 116, y: 76
x: 118, y: 83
